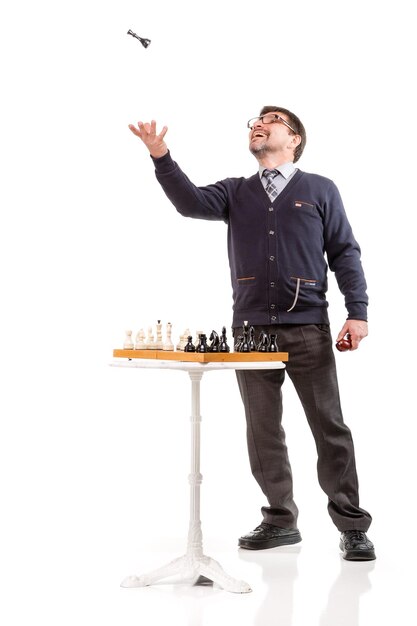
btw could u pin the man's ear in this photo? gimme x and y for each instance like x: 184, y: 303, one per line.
x: 295, y: 141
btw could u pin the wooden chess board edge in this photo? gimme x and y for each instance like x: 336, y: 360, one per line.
x: 198, y: 357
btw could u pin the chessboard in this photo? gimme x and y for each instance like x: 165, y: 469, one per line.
x: 201, y: 357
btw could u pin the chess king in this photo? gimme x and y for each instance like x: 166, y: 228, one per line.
x: 285, y: 228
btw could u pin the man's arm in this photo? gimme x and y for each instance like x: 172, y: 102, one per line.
x: 343, y: 253
x: 209, y: 202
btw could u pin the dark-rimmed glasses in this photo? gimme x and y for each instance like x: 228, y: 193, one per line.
x: 270, y: 118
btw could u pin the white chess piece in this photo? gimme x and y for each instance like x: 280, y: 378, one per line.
x: 183, y: 340
x: 150, y: 342
x: 159, y: 340
x: 128, y: 344
x: 140, y: 340
x: 168, y: 345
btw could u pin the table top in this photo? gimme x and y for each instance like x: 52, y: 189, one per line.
x: 200, y: 357
x: 195, y: 366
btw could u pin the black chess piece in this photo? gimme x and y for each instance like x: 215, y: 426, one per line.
x: 202, y: 346
x: 272, y: 345
x: 238, y: 342
x: 252, y: 344
x: 263, y: 342
x: 189, y: 346
x: 145, y: 42
x: 223, y: 342
x: 215, y: 342
x: 244, y: 346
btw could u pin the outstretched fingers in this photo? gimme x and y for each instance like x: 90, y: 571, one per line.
x: 146, y: 131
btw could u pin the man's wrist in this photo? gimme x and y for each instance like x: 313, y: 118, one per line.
x: 164, y: 164
x: 159, y: 154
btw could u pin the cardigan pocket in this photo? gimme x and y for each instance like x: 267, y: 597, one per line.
x: 246, y: 293
x: 302, y: 204
x: 300, y: 283
x: 246, y: 280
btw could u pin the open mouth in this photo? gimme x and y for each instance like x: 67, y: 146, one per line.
x: 259, y: 134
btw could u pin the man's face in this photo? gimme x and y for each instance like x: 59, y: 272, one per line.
x: 271, y: 137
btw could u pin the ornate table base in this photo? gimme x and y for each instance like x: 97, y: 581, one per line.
x: 190, y: 568
x: 194, y: 563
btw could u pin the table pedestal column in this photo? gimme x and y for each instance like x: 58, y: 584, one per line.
x: 194, y: 564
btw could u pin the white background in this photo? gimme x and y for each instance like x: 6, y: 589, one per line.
x: 94, y: 460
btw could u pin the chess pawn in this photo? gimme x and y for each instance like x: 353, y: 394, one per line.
x: 223, y: 347
x: 140, y: 340
x: 197, y: 336
x: 180, y: 343
x: 150, y: 341
x: 189, y: 346
x: 183, y: 339
x: 128, y: 344
x: 159, y: 341
x: 168, y: 345
x: 272, y: 345
x: 202, y: 346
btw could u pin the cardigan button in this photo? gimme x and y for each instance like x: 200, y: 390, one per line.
x: 273, y: 318
x: 272, y: 258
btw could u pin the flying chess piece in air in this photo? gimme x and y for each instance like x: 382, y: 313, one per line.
x: 145, y: 42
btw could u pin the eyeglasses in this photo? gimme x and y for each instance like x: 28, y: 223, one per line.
x: 269, y: 118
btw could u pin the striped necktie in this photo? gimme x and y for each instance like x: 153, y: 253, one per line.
x: 270, y: 188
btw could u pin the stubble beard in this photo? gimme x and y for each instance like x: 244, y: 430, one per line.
x: 260, y: 150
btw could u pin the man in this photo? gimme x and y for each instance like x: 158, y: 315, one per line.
x: 281, y: 223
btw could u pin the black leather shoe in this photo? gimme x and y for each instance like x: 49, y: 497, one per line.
x: 356, y: 546
x: 269, y: 536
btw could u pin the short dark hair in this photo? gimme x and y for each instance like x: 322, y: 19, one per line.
x: 295, y: 123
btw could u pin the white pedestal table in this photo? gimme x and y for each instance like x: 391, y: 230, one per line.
x: 194, y: 564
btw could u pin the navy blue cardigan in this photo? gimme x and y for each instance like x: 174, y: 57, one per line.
x: 277, y: 250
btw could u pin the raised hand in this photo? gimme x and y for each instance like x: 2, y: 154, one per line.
x: 155, y: 143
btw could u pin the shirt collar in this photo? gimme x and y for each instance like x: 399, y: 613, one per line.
x: 286, y: 169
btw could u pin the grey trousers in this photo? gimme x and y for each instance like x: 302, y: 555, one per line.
x: 312, y: 369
